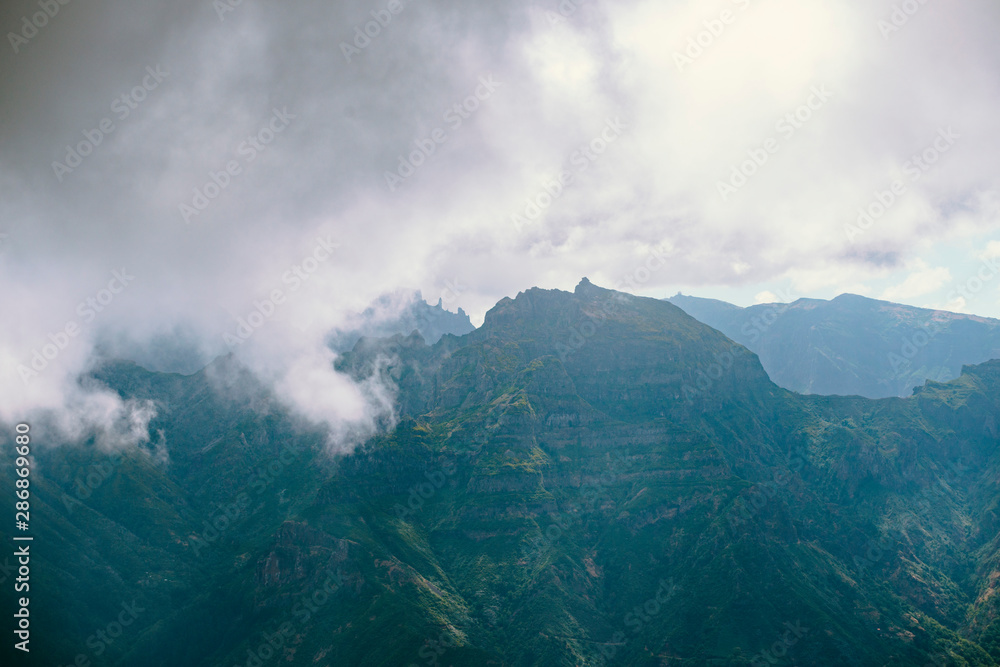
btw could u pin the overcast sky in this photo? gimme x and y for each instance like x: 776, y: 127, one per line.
x: 645, y: 108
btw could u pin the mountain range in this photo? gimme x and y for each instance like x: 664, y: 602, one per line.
x: 589, y: 478
x: 852, y: 345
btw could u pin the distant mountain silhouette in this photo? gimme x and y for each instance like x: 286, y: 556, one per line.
x: 852, y: 345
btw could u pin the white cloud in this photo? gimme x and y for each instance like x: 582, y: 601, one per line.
x: 992, y: 251
x: 656, y: 184
x: 766, y: 297
x: 919, y: 283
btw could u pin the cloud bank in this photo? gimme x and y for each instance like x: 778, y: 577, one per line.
x: 179, y: 168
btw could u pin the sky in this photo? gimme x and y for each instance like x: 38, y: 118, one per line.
x: 186, y: 166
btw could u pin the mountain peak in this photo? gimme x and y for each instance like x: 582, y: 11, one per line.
x: 588, y: 289
x: 847, y: 297
x: 401, y: 312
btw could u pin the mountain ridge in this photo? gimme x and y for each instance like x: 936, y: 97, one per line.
x: 540, y: 505
x: 853, y: 344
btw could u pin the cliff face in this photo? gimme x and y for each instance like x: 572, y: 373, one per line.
x: 589, y: 478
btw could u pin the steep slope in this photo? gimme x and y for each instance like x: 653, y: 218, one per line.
x: 852, y: 345
x: 590, y: 478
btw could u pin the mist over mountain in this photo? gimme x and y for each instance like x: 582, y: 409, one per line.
x: 401, y: 312
x: 233, y: 432
x: 180, y: 351
x: 560, y: 486
x: 184, y: 351
x: 852, y: 345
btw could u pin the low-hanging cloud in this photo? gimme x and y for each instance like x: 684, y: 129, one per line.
x: 249, y: 134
